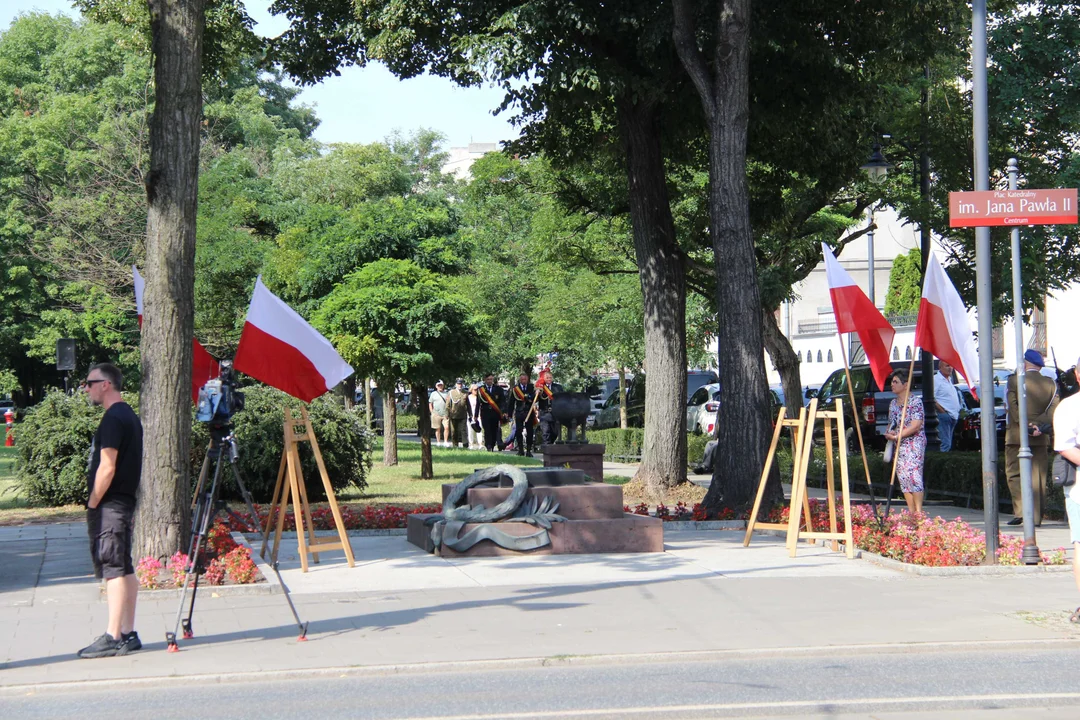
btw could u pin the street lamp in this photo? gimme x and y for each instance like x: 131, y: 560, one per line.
x: 877, y: 168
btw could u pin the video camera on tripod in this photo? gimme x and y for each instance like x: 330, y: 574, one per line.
x: 220, y: 398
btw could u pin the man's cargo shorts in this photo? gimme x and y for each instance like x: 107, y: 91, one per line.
x: 110, y: 525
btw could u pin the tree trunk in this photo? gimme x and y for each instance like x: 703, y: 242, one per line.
x: 663, y: 287
x: 743, y: 425
x: 369, y: 404
x: 423, y: 426
x: 785, y: 361
x: 622, y: 397
x: 161, y: 524
x: 389, y: 414
x: 349, y: 388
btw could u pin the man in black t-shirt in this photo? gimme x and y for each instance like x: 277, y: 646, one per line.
x: 112, y: 482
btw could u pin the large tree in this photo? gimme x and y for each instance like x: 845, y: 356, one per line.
x: 584, y: 76
x: 399, y: 323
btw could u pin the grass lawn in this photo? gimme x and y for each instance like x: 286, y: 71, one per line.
x: 401, y: 484
x: 14, y: 509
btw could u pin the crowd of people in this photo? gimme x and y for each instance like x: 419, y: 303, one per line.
x: 472, y: 416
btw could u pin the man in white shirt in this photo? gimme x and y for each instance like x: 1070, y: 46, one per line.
x: 1067, y: 442
x: 948, y: 404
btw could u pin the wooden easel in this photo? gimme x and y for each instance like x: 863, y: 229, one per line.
x: 803, y: 450
x: 797, y: 426
x: 290, y: 486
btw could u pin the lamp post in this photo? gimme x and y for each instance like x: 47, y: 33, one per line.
x: 877, y: 168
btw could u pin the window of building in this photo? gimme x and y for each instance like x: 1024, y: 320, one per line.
x: 819, y: 356
x: 830, y: 356
x: 809, y: 357
x: 907, y: 353
x: 896, y: 353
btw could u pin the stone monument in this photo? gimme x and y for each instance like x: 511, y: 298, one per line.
x: 506, y: 510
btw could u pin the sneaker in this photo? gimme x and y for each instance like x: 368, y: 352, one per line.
x: 129, y: 643
x: 104, y: 646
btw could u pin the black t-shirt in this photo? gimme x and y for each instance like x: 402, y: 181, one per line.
x: 120, y: 428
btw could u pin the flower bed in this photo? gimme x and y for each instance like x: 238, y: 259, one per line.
x: 681, y: 512
x: 223, y: 560
x: 227, y: 562
x: 919, y: 539
x: 367, y: 518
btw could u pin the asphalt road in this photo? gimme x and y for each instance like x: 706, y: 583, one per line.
x: 1032, y: 681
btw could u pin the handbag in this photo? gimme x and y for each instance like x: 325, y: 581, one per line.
x: 1064, y: 471
x: 890, y: 448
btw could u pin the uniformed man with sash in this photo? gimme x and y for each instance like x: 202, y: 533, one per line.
x: 489, y: 412
x: 521, y: 406
x: 546, y: 389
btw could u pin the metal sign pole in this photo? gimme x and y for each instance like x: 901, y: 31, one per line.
x: 984, y: 297
x: 1031, y: 550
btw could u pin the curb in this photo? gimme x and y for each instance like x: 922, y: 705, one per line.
x: 827, y: 651
x: 291, y: 534
x: 691, y: 525
x: 960, y: 570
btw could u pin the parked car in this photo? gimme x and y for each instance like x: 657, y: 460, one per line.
x: 871, y: 403
x: 809, y: 393
x: 968, y: 434
x: 695, y: 379
x: 777, y: 390
x: 705, y: 400
x: 608, y: 416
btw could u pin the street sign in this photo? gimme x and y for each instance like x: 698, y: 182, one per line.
x: 1012, y: 207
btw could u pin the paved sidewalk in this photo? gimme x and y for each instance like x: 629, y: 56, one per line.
x: 401, y: 606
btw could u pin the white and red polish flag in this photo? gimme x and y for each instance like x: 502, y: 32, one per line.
x: 943, y: 329
x: 280, y: 348
x: 203, y: 365
x: 855, y: 313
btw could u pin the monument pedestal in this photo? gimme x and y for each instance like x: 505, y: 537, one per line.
x: 589, y: 458
x: 595, y: 521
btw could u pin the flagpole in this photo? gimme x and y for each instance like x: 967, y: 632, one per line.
x: 858, y: 425
x: 900, y: 432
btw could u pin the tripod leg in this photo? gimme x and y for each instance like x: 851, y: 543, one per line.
x: 274, y: 563
x: 204, y: 512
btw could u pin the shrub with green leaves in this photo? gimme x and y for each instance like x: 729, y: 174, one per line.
x: 54, y: 446
x: 53, y: 441
x: 259, y: 429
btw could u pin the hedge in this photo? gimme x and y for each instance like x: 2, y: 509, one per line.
x: 407, y: 422
x: 625, y: 445
x: 957, y: 473
x: 54, y: 440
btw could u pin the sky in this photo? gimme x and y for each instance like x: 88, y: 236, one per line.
x: 364, y: 105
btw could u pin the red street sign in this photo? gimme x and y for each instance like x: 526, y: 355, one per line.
x: 1012, y: 207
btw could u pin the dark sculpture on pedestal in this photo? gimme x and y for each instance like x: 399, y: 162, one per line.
x: 571, y: 410
x: 446, y: 527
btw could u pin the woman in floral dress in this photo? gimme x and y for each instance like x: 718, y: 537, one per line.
x: 911, y: 451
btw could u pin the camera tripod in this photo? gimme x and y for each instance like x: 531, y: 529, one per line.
x: 205, y: 508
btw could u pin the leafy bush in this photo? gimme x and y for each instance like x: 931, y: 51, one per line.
x: 625, y: 445
x: 621, y: 445
x: 342, y: 438
x: 407, y: 422
x: 695, y: 448
x: 54, y: 449
x: 54, y: 446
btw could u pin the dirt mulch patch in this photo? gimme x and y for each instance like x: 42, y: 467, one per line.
x: 634, y: 493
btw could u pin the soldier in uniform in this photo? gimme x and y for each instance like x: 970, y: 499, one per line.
x: 549, y: 426
x: 519, y: 405
x: 489, y: 412
x: 1042, y: 400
